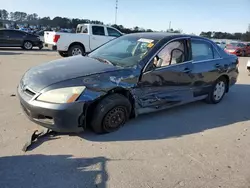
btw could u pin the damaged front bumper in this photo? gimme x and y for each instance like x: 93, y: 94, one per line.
x: 57, y: 117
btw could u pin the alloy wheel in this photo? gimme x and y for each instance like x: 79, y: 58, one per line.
x: 219, y: 90
x: 76, y: 51
x: 28, y: 45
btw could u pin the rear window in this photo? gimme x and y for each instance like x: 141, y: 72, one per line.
x: 98, y: 30
x: 82, y: 29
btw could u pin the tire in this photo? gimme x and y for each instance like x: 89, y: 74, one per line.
x: 110, y: 114
x: 63, y: 54
x: 76, y: 50
x: 27, y: 45
x: 221, y: 86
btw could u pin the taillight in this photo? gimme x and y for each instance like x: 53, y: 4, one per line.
x: 56, y: 38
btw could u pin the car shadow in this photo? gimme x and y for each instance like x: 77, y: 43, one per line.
x: 10, y: 53
x: 183, y: 120
x: 52, y: 171
x: 20, y: 49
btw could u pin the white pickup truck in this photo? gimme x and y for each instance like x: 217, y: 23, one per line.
x: 87, y: 38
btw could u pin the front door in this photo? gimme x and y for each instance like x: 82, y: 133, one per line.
x: 167, y: 80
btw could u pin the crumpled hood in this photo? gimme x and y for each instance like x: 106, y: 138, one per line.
x: 39, y: 77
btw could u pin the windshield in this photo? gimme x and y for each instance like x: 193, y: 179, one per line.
x: 126, y: 51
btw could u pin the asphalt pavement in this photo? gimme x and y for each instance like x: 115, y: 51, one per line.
x: 195, y: 145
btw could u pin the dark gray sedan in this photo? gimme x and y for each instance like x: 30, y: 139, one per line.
x: 128, y: 76
x: 17, y: 38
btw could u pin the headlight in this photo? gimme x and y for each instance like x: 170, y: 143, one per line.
x: 62, y: 95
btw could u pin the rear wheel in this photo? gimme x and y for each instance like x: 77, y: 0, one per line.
x: 63, y: 54
x: 27, y: 45
x: 110, y: 114
x: 218, y: 91
x: 76, y: 50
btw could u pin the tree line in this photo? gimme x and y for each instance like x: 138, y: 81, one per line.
x: 63, y: 22
x: 225, y: 35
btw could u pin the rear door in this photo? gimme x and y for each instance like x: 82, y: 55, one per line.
x: 207, y: 65
x: 15, y: 38
x: 98, y: 37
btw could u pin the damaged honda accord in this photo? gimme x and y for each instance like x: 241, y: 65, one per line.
x: 133, y: 74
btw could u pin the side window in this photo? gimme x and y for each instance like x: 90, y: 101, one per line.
x: 15, y: 34
x: 98, y: 30
x: 79, y: 29
x: 113, y: 32
x: 201, y: 50
x: 85, y: 30
x: 172, y: 53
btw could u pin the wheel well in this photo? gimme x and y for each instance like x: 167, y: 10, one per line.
x: 91, y: 107
x: 77, y: 43
x: 227, y: 80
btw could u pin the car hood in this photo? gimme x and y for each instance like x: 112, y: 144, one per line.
x: 39, y: 77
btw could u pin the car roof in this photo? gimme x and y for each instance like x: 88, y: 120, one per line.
x: 162, y: 35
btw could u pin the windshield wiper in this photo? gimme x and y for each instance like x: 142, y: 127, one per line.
x: 104, y: 60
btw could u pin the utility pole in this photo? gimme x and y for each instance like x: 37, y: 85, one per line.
x: 116, y: 8
x: 169, y: 25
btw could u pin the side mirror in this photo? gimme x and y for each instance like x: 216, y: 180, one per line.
x: 177, y: 56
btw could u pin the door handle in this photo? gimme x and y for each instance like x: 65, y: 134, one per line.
x: 187, y: 70
x: 93, y: 38
x: 217, y: 65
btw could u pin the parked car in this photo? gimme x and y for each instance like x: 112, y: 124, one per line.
x: 86, y: 38
x: 248, y: 67
x: 238, y: 48
x: 131, y: 75
x: 16, y: 38
x: 221, y: 44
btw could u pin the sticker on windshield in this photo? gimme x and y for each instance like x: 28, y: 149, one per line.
x: 150, y: 45
x: 145, y: 40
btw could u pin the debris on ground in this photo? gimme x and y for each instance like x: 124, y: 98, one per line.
x: 13, y: 95
x: 34, y: 137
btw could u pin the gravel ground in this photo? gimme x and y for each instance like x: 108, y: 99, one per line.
x: 196, y: 145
